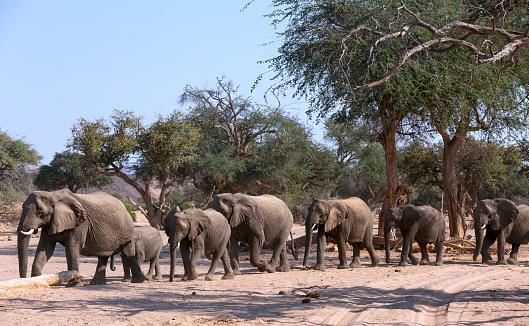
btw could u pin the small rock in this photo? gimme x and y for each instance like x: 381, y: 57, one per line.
x: 194, y: 293
x: 306, y: 300
x: 282, y: 292
x: 398, y: 270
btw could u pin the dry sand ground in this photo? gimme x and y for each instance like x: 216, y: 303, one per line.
x: 461, y: 292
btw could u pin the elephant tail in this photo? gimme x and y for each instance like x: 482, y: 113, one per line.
x: 294, y: 252
x: 112, y: 265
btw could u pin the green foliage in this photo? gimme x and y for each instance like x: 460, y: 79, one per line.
x: 17, y: 160
x: 185, y: 206
x: 66, y: 170
x: 485, y: 168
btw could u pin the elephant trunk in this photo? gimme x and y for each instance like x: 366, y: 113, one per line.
x: 308, y: 242
x: 173, y: 261
x: 387, y: 235
x: 113, y: 262
x: 23, y: 245
x: 480, y: 235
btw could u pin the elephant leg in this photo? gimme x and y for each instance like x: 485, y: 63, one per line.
x: 228, y: 272
x: 45, y: 250
x: 100, y: 274
x: 255, y: 245
x: 196, y: 253
x: 73, y: 252
x: 158, y: 273
x: 356, y: 255
x: 501, y: 248
x: 126, y: 270
x: 342, y: 254
x: 234, y: 255
x: 284, y: 266
x: 406, y: 247
x: 489, y: 239
x: 276, y: 255
x: 425, y: 259
x: 513, y: 259
x: 186, y: 260
x: 411, y: 256
x: 214, y: 261
x: 439, y: 252
x: 375, y: 259
x: 320, y: 251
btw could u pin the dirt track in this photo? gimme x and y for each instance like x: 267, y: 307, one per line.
x: 461, y: 292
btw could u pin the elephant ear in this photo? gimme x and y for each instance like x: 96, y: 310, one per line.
x: 198, y: 222
x: 410, y: 215
x: 242, y: 210
x: 337, y: 214
x: 506, y: 213
x: 68, y: 213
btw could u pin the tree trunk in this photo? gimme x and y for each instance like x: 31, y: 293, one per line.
x: 450, y: 185
x: 388, y: 140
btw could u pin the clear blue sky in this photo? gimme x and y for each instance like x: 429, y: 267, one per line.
x: 61, y: 60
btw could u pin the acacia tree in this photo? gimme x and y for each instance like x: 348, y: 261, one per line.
x: 152, y: 152
x: 344, y: 53
x: 17, y: 158
x: 66, y: 170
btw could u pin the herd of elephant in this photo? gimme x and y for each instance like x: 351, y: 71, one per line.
x: 99, y: 225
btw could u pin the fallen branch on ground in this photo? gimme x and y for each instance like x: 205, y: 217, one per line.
x: 39, y: 281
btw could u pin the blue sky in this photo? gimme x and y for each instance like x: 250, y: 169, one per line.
x: 63, y: 60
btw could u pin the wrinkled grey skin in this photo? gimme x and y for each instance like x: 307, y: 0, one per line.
x: 344, y: 220
x: 500, y: 219
x: 204, y: 232
x: 148, y: 244
x: 423, y: 224
x: 90, y: 225
x: 264, y: 222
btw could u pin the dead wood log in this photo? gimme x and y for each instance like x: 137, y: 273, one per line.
x: 39, y: 281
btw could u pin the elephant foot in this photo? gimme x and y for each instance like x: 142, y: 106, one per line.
x: 138, y: 279
x: 512, y: 261
x: 74, y: 282
x: 343, y: 266
x: 191, y: 277
x: 424, y: 262
x: 388, y: 261
x: 355, y: 264
x: 438, y: 263
x: 376, y: 261
x: 403, y: 263
x: 158, y: 277
x: 501, y: 262
x: 283, y: 268
x: 319, y: 267
x: 228, y: 276
x: 414, y: 261
x: 126, y: 280
x: 209, y: 277
x: 236, y: 272
x: 263, y: 266
x: 98, y: 280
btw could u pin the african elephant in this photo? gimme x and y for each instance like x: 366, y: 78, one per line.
x: 503, y: 220
x: 204, y: 232
x: 264, y: 222
x: 344, y: 220
x: 423, y: 224
x: 148, y: 244
x: 91, y: 225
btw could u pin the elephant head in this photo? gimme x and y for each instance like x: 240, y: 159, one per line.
x: 326, y: 213
x: 496, y: 214
x: 183, y: 225
x: 402, y: 217
x: 237, y: 208
x: 55, y: 211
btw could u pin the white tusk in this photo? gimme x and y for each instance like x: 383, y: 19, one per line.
x: 27, y: 233
x: 484, y: 226
x: 313, y: 226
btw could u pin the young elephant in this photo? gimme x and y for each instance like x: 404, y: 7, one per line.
x: 204, y: 232
x: 344, y: 220
x: 423, y: 224
x: 148, y: 244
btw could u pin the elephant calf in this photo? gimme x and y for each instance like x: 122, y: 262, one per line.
x: 204, y: 232
x: 423, y: 224
x: 148, y: 244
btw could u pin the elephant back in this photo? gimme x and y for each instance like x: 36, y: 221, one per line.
x: 520, y: 230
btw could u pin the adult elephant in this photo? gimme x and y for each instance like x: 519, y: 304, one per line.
x: 502, y: 220
x: 92, y: 225
x: 423, y: 224
x: 344, y: 220
x: 264, y: 222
